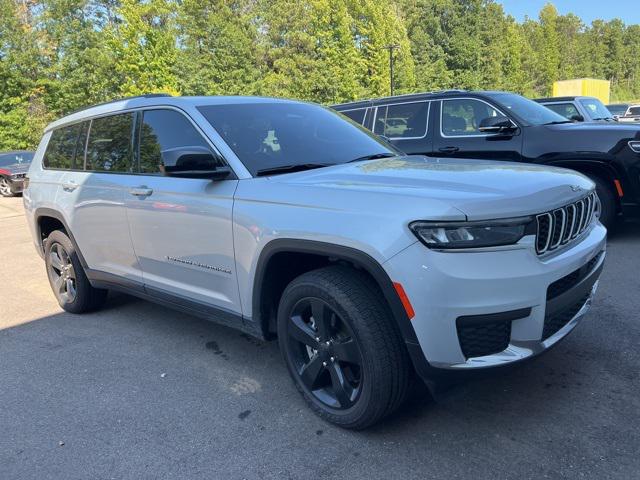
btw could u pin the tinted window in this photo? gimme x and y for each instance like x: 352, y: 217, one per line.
x: 356, y: 115
x: 16, y: 158
x: 567, y: 110
x: 63, y: 147
x: 634, y: 111
x: 406, y: 120
x: 109, y: 145
x: 617, y: 109
x: 596, y: 108
x: 164, y: 132
x: 272, y: 134
x: 463, y: 116
x: 530, y: 112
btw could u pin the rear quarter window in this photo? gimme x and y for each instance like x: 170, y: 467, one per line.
x: 64, y: 150
x: 109, y: 148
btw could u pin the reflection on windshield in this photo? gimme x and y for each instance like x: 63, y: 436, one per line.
x: 527, y: 110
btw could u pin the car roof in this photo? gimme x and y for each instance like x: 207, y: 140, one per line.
x: 410, y: 97
x: 561, y: 99
x: 153, y: 100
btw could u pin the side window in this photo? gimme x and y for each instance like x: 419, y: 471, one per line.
x: 461, y: 117
x: 168, y: 141
x: 109, y: 145
x: 406, y: 120
x: 355, y: 115
x: 567, y: 110
x: 379, y: 122
x: 62, y: 147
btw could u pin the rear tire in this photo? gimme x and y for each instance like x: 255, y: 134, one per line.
x: 608, y: 204
x: 67, y: 278
x: 342, y: 349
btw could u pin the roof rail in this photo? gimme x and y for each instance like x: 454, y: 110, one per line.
x: 146, y: 95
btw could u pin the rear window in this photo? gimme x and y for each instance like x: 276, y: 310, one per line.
x: 63, y: 148
x: 403, y: 120
x: 266, y: 135
x: 634, y: 111
x: 567, y: 110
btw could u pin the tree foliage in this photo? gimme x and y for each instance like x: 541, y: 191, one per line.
x: 59, y: 55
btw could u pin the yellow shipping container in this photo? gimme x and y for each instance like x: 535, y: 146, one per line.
x: 590, y: 87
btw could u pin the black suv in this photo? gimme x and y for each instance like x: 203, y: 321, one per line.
x: 506, y: 126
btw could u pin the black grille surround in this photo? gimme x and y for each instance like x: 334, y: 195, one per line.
x: 560, y: 226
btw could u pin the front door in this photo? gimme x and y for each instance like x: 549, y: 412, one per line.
x: 459, y: 134
x: 181, y: 228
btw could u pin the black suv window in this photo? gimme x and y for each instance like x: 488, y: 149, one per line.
x: 165, y: 131
x: 355, y: 115
x: 567, y: 110
x: 404, y: 120
x: 461, y: 117
x: 65, y: 145
x: 109, y: 146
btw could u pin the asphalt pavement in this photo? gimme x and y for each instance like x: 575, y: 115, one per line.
x: 137, y: 391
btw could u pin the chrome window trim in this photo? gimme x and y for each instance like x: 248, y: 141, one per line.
x: 475, y: 135
x: 387, y: 105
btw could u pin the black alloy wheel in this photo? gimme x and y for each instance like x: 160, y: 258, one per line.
x: 62, y: 274
x: 325, y: 353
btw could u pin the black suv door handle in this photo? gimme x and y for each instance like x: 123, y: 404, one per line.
x: 142, y: 191
x: 448, y: 149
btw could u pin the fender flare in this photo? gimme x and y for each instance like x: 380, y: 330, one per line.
x: 49, y: 212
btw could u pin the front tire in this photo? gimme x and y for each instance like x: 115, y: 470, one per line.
x: 67, y: 278
x: 344, y: 353
x: 608, y: 204
x: 5, y: 187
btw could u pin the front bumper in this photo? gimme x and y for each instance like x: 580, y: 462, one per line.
x: 16, y: 185
x: 445, y: 287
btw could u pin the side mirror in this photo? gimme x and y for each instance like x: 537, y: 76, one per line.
x: 576, y: 118
x: 193, y: 162
x: 497, y: 124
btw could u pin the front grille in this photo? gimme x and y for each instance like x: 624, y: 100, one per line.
x: 567, y: 282
x: 484, y: 339
x: 562, y: 225
x: 553, y: 323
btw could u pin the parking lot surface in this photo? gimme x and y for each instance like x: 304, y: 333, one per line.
x: 138, y: 391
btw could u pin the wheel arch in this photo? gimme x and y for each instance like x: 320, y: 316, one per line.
x: 47, y: 220
x: 315, y: 254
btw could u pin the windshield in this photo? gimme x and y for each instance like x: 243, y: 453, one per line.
x: 269, y: 135
x: 7, y: 159
x: 617, y: 109
x: 527, y: 110
x: 596, y: 108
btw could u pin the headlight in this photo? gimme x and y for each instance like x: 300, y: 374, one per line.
x: 635, y: 146
x: 452, y: 235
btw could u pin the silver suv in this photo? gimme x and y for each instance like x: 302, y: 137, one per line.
x: 285, y: 219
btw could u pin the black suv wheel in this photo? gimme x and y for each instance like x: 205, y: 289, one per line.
x: 344, y: 353
x: 67, y: 278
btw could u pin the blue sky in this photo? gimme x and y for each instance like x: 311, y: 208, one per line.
x: 588, y: 10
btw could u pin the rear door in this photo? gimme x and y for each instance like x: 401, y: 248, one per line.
x: 92, y: 191
x: 405, y: 124
x: 181, y: 227
x: 458, y: 134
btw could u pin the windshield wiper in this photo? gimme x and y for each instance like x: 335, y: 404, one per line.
x: 558, y: 122
x: 290, y: 168
x: 373, y: 156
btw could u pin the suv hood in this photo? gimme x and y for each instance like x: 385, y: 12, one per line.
x: 479, y: 189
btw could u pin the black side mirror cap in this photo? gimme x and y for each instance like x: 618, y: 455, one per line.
x: 499, y: 124
x: 219, y: 173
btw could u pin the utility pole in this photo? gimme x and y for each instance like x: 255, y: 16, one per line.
x: 391, y: 47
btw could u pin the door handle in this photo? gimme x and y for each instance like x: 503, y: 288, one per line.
x: 143, y: 191
x: 448, y: 149
x: 69, y: 186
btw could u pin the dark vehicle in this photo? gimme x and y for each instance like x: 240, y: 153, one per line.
x: 506, y: 126
x: 13, y: 170
x: 578, y: 109
x: 618, y: 109
x: 631, y: 115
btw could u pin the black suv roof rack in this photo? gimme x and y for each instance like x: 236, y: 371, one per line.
x: 146, y: 95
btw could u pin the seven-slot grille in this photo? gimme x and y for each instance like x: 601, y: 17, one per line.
x: 562, y: 225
